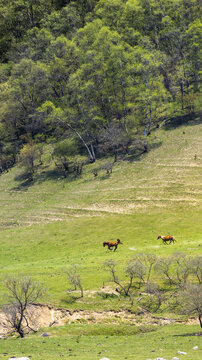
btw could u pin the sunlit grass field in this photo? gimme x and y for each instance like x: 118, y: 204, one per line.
x: 52, y: 223
x: 90, y: 342
x: 44, y: 251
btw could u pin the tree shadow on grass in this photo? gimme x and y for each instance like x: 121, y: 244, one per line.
x: 137, y: 155
x: 188, y: 334
x: 25, y: 183
x: 39, y: 178
x: 105, y: 295
x: 187, y: 120
x: 104, y: 176
x: 70, y: 299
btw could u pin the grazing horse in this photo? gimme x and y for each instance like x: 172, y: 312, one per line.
x: 112, y: 244
x: 166, y: 239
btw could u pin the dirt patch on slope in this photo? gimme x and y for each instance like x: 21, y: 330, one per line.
x: 47, y: 316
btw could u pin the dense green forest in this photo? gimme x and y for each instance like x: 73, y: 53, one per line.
x: 94, y: 77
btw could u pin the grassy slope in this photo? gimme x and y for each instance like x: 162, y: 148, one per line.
x: 95, y: 342
x: 55, y: 222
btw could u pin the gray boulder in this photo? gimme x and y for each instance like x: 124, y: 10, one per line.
x: 45, y: 334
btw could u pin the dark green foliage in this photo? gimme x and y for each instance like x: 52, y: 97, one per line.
x: 66, y: 157
x: 29, y: 155
x: 113, y: 68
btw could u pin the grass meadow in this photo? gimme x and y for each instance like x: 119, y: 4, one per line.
x: 52, y: 223
x: 90, y: 342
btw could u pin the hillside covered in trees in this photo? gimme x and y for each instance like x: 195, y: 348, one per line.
x: 94, y: 77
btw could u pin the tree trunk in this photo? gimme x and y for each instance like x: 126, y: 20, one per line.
x: 145, y: 119
x: 182, y: 93
x: 200, y: 319
x: 150, y: 114
x: 92, y: 156
x: 124, y: 106
x: 21, y: 333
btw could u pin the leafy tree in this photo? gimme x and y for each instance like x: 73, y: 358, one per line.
x: 110, y: 11
x: 29, y: 155
x: 65, y: 21
x: 104, y: 65
x: 16, y: 17
x: 194, y: 36
x: 22, y: 94
x: 59, y: 119
x: 62, y: 55
x: 63, y: 154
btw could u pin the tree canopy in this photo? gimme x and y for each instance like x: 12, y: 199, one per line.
x: 101, y: 64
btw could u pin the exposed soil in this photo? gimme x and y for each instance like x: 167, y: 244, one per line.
x: 41, y: 315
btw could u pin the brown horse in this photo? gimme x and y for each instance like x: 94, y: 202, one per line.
x: 166, y: 239
x: 112, y: 244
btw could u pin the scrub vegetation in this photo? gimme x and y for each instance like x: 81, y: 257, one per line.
x: 100, y: 139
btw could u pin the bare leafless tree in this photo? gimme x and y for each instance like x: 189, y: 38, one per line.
x: 110, y: 265
x: 191, y: 301
x: 113, y: 139
x: 108, y: 166
x: 136, y: 270
x: 182, y: 268
x: 74, y: 278
x: 163, y: 267
x: 156, y: 296
x: 21, y: 293
x: 148, y: 261
x: 196, y: 268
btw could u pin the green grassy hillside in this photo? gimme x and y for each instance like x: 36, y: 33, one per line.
x: 53, y: 222
x: 84, y: 342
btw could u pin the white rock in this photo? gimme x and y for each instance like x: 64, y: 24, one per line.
x: 182, y: 353
x: 104, y: 359
x: 195, y: 348
x: 175, y: 358
x: 22, y: 358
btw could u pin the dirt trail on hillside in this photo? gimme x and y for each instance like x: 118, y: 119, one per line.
x: 47, y: 316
